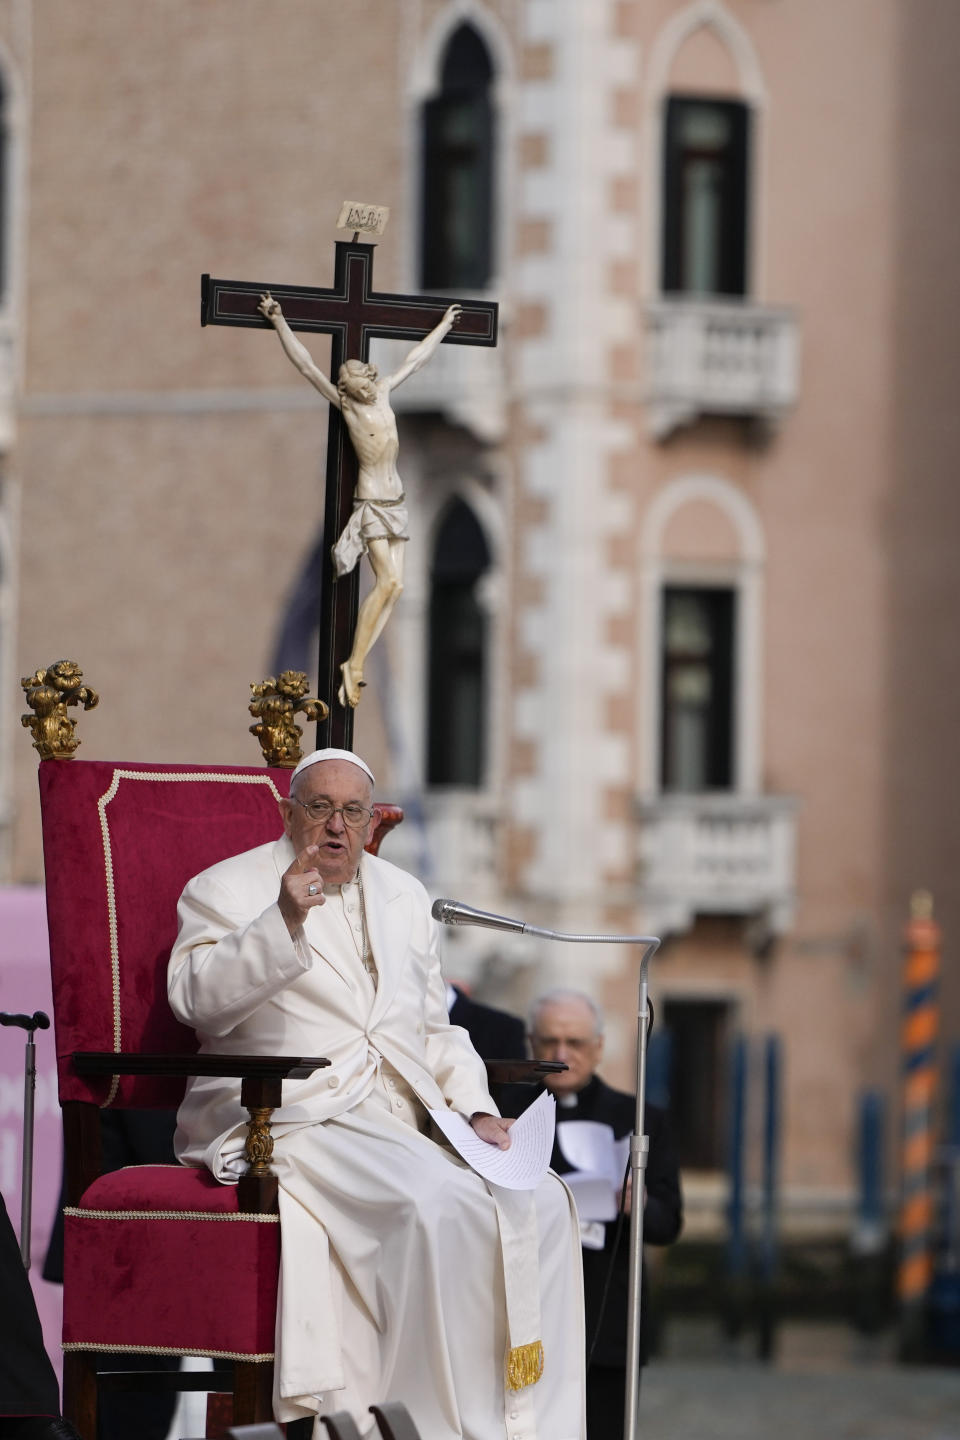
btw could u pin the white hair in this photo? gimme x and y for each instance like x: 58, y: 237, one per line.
x: 562, y: 996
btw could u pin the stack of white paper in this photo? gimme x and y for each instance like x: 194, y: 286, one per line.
x: 524, y: 1165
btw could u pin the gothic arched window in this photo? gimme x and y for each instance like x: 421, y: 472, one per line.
x: 457, y: 238
x: 458, y: 651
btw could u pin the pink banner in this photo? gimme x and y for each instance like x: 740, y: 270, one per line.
x: 25, y: 987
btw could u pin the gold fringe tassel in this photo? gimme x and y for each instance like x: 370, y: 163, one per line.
x: 524, y: 1365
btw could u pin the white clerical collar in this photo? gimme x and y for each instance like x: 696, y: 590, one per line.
x: 341, y: 889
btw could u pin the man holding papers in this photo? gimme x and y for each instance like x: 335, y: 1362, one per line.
x: 591, y: 1151
x: 405, y: 1274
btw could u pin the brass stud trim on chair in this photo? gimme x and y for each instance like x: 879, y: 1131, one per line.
x: 77, y: 1212
x: 259, y: 1359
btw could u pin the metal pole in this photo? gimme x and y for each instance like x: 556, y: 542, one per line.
x: 771, y: 1127
x: 37, y: 1021
x: 868, y: 1234
x: 771, y: 1146
x: 919, y: 1060
x: 736, y: 1241
x: 952, y: 1159
x: 639, y: 1149
x: 26, y: 1189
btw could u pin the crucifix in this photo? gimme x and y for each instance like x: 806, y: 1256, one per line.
x: 353, y: 314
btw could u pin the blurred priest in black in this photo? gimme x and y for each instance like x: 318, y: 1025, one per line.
x: 566, y: 1025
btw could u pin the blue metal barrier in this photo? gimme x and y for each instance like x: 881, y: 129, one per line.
x: 736, y: 1219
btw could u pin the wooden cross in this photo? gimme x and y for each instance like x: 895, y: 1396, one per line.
x: 353, y: 314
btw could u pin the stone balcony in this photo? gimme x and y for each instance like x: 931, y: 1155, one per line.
x: 719, y: 357
x: 720, y: 854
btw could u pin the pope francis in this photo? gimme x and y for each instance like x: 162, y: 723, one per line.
x: 404, y: 1275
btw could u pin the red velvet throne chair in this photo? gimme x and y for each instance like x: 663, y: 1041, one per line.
x: 158, y: 1259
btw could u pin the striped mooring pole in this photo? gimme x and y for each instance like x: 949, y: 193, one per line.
x: 920, y: 1024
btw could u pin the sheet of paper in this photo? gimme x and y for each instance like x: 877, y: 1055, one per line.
x: 590, y: 1146
x: 595, y: 1197
x: 600, y: 1163
x: 524, y: 1165
x: 586, y: 1145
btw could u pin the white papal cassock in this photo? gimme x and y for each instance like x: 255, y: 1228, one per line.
x: 404, y: 1275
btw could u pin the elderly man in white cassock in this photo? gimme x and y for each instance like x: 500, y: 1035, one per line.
x: 404, y: 1274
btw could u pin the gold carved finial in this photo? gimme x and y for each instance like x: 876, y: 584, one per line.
x: 258, y: 1149
x: 275, y: 702
x: 48, y: 693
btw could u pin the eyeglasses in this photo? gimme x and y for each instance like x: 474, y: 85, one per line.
x: 357, y: 817
x: 575, y: 1044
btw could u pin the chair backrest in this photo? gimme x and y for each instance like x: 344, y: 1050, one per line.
x: 120, y: 841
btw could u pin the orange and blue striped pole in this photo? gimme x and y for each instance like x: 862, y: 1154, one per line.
x: 919, y: 1029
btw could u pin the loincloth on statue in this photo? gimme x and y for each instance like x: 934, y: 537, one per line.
x: 371, y: 520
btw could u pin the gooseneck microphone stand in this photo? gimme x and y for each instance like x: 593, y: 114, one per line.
x: 452, y: 912
x: 37, y: 1021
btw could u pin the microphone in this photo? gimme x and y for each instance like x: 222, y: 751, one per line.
x: 452, y: 912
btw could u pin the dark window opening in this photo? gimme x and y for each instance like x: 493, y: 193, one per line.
x: 696, y: 723
x: 458, y: 645
x: 705, y: 197
x: 698, y: 1101
x: 458, y: 140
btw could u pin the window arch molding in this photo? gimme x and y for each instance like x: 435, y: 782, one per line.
x: 424, y: 82
x: 428, y: 64
x: 714, y: 16
x: 744, y: 574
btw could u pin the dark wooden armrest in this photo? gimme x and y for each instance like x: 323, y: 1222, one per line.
x: 243, y: 1067
x: 262, y: 1079
x: 395, y: 1421
x: 521, y: 1072
x: 341, y: 1426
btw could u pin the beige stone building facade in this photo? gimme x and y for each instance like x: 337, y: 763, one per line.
x: 676, y: 649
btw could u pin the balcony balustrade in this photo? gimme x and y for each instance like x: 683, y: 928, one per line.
x: 716, y: 854
x: 719, y: 357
